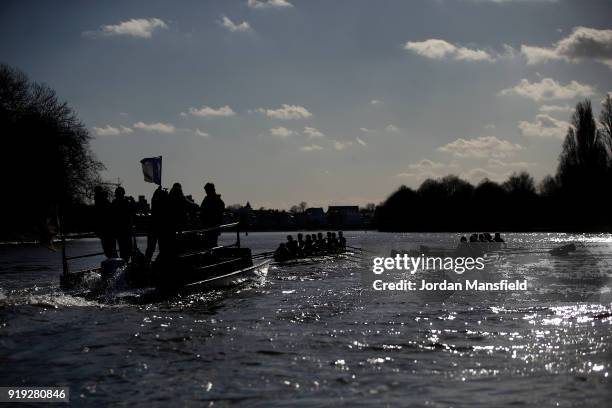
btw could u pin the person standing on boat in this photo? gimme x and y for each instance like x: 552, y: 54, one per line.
x: 104, y: 227
x: 211, y: 214
x: 123, y: 220
x: 156, y: 222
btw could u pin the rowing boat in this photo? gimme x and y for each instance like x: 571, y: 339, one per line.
x: 181, y: 272
x: 320, y: 257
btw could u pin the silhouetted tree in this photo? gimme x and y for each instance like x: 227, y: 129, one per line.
x: 47, y: 161
x: 520, y: 185
x: 549, y: 187
x: 605, y: 121
x: 583, y: 157
x: 582, y: 174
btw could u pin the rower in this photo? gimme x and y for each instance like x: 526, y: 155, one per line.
x: 341, y: 240
x: 282, y: 253
x: 334, y: 241
x: 328, y: 240
x: 292, y: 246
x: 320, y: 242
x: 300, y: 241
x: 498, y: 238
x: 308, y: 244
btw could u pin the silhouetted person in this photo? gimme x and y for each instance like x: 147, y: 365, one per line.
x: 211, y: 213
x: 104, y: 222
x: 321, y: 244
x: 334, y: 241
x: 474, y: 238
x: 308, y: 244
x: 341, y: 240
x: 464, y: 248
x: 292, y: 246
x: 328, y: 241
x: 156, y: 223
x: 123, y: 220
x: 282, y: 253
x: 498, y: 238
x: 481, y: 238
x: 300, y: 242
x: 178, y: 208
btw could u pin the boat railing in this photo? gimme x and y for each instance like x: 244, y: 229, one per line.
x: 66, y: 258
x: 222, y: 227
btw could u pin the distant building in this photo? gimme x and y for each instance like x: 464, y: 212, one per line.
x: 315, y: 217
x: 142, y: 206
x: 344, y: 216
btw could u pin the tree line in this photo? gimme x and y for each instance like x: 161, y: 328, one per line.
x: 47, y: 161
x: 576, y: 198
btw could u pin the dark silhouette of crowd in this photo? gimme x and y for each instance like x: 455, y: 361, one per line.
x: 310, y: 245
x: 172, y: 213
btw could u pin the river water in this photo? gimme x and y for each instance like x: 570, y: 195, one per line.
x: 316, y: 334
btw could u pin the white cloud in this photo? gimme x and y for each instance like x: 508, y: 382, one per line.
x: 155, y: 127
x: 375, y: 102
x: 262, y: 4
x: 366, y: 130
x: 136, y: 27
x: 427, y: 169
x: 556, y: 108
x: 545, y: 126
x: 489, y: 126
x: 361, y: 142
x: 200, y: 133
x: 391, y: 128
x: 548, y: 89
x: 208, y: 112
x: 233, y: 27
x: 109, y: 130
x: 311, y: 148
x: 441, y: 49
x: 341, y: 145
x: 582, y: 44
x: 467, y: 54
x: 484, y: 146
x: 312, y: 132
x: 281, y: 132
x: 286, y: 112
x: 500, y: 164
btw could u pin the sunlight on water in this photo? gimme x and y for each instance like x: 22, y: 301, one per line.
x: 313, y: 331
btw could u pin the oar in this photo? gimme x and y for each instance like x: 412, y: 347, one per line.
x: 263, y: 254
x: 360, y: 249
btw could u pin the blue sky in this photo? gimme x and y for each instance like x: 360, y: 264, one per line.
x: 329, y: 102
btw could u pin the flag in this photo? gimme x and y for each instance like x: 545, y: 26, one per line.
x: 152, y: 169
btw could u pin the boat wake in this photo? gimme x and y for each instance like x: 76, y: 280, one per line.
x: 52, y: 300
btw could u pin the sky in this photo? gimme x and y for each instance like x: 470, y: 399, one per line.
x: 328, y: 102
